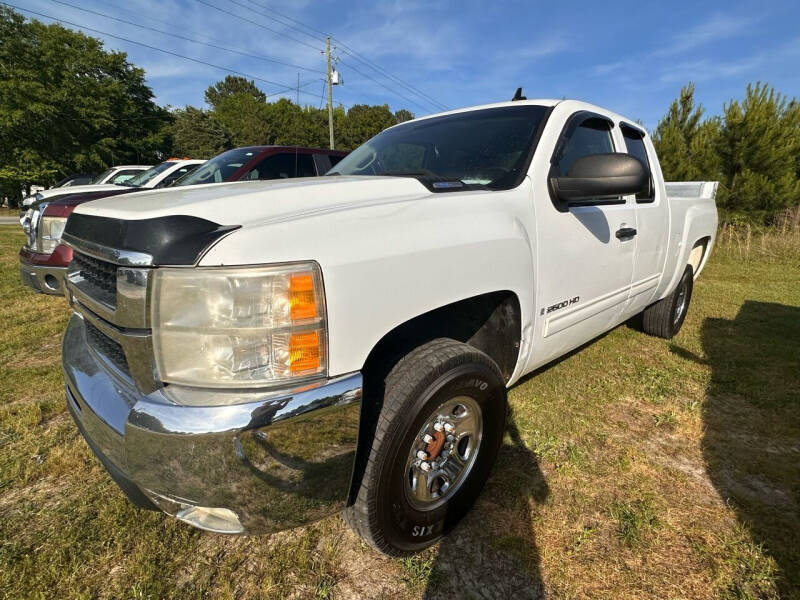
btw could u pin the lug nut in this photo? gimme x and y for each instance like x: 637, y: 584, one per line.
x: 425, y: 466
x: 427, y: 438
x: 438, y: 426
x: 422, y: 455
x: 448, y: 427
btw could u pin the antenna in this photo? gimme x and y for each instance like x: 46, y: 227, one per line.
x: 518, y: 95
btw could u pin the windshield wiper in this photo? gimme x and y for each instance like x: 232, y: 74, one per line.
x: 437, y: 182
x: 414, y: 173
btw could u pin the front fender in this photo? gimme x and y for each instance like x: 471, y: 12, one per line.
x: 383, y: 265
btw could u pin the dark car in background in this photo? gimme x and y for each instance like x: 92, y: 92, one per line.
x: 44, y: 259
x: 263, y: 162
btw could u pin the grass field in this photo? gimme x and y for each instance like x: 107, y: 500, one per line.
x: 634, y: 468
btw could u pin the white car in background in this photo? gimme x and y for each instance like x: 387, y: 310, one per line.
x: 114, y: 175
x: 161, y: 175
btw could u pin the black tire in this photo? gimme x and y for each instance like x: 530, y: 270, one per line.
x: 418, y: 385
x: 665, y: 317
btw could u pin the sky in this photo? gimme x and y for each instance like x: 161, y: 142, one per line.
x: 630, y: 57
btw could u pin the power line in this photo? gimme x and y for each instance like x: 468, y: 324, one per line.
x: 349, y: 51
x: 383, y: 85
x: 283, y: 89
x: 393, y: 91
x: 388, y: 75
x: 178, y: 36
x: 320, y: 38
x: 322, y: 34
x: 275, y: 31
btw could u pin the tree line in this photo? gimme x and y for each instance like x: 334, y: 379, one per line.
x: 752, y: 148
x: 68, y: 105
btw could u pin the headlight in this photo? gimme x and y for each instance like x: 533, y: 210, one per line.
x: 50, y: 230
x: 239, y: 327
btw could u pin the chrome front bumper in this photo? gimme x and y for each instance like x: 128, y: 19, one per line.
x: 42, y: 278
x: 273, y: 460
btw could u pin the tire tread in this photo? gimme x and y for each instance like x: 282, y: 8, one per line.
x: 408, y: 377
x: 657, y: 318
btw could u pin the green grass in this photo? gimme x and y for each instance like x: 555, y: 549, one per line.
x: 635, y: 468
x: 636, y: 520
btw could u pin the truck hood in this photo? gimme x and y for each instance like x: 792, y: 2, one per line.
x: 76, y: 189
x: 249, y: 202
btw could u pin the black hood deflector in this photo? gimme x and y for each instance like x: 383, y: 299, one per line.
x: 172, y: 240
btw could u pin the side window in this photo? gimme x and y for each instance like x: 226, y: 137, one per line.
x: 634, y: 144
x: 124, y: 175
x: 305, y: 165
x: 275, y: 166
x: 334, y: 159
x: 593, y: 136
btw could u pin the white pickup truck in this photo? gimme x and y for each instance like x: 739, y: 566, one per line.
x: 253, y: 356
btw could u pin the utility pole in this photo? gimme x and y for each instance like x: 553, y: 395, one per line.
x: 298, y: 89
x: 330, y: 89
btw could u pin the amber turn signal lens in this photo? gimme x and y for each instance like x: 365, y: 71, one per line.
x: 305, y: 353
x: 302, y: 300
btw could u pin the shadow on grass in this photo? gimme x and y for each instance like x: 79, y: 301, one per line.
x: 752, y: 433
x: 492, y: 553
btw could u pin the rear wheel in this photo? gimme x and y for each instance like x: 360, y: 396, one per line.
x: 438, y: 433
x: 665, y: 317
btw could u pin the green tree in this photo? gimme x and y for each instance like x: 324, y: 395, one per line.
x: 197, y: 134
x: 681, y: 132
x: 752, y: 149
x: 67, y: 104
x: 245, y: 117
x: 403, y: 115
x: 362, y: 123
x: 231, y: 86
x: 758, y: 147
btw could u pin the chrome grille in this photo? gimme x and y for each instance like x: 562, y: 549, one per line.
x: 99, y: 277
x: 106, y: 347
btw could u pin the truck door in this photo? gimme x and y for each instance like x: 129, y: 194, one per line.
x: 652, y: 224
x: 585, y: 250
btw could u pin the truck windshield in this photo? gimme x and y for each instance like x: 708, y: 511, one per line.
x: 220, y: 168
x: 145, y: 176
x: 485, y: 148
x: 102, y: 176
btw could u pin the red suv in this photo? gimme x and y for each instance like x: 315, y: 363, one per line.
x: 43, y: 259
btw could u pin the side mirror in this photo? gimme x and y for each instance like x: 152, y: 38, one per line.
x: 602, y: 175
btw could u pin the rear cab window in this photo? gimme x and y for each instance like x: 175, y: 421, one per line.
x: 635, y: 146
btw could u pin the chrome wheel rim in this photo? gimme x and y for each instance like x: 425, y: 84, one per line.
x: 443, y: 453
x: 680, y: 305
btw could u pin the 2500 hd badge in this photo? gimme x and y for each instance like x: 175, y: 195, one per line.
x: 560, y: 305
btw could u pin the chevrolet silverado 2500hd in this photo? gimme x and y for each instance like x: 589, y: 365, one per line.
x: 253, y: 356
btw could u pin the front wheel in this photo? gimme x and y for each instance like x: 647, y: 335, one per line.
x: 438, y: 433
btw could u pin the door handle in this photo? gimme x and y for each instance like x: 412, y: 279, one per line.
x: 625, y: 232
